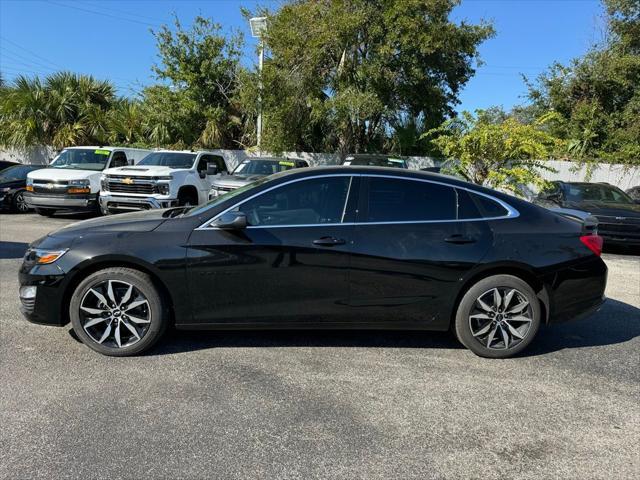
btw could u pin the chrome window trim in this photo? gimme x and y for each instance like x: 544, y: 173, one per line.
x: 511, y: 211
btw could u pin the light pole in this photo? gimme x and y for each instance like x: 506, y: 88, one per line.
x: 258, y: 25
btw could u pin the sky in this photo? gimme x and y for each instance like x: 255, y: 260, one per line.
x: 111, y: 39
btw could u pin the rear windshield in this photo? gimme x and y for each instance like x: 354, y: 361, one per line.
x: 82, y: 159
x: 169, y: 159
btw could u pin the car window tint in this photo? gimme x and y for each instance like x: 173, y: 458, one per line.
x: 397, y: 200
x: 467, y: 208
x: 489, y: 208
x: 313, y: 201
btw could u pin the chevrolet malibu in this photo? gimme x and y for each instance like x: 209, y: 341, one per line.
x: 336, y: 247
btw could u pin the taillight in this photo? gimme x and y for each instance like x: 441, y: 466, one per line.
x: 593, y: 243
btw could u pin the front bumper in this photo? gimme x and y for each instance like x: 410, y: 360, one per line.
x: 46, y: 306
x: 122, y: 203
x: 61, y: 202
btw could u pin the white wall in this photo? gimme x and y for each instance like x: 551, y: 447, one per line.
x: 619, y: 175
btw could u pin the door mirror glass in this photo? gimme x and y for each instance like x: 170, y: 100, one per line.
x: 231, y: 221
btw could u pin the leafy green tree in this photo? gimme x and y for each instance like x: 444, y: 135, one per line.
x: 201, y: 65
x: 597, y: 96
x: 502, y: 154
x: 343, y: 75
x: 63, y: 110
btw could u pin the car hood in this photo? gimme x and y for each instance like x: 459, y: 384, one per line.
x: 235, y: 181
x: 126, y: 222
x: 606, y: 209
x: 57, y: 174
x: 12, y: 183
x: 141, y: 171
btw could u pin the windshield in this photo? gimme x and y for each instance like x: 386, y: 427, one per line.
x: 223, y: 198
x: 169, y: 159
x: 376, y: 162
x: 263, y: 167
x: 82, y: 159
x: 593, y: 192
x: 19, y: 172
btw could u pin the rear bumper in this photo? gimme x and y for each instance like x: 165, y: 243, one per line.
x: 61, y: 202
x: 122, y: 203
x: 578, y: 290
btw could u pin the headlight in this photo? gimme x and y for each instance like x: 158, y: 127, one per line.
x: 43, y: 257
x: 168, y: 177
x: 79, y: 183
x: 5, y: 189
x: 29, y: 185
x: 104, y: 184
x: 79, y: 186
x: 163, y: 188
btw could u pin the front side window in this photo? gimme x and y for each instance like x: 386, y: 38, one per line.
x: 169, y: 159
x: 398, y: 200
x: 82, y: 159
x: 596, y: 193
x: 307, y: 202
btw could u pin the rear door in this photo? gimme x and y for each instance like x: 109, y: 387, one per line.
x: 289, y: 266
x: 410, y: 251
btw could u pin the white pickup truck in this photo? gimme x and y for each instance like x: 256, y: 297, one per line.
x: 72, y: 180
x: 163, y: 179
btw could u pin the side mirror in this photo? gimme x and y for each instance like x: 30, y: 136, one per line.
x: 231, y: 221
x: 212, y: 169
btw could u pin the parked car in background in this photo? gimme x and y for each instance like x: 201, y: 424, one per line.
x: 634, y: 192
x: 72, y: 180
x: 335, y: 247
x: 617, y: 213
x: 13, y: 184
x: 373, y: 160
x: 253, y: 169
x: 165, y: 178
x: 431, y: 169
x: 7, y: 163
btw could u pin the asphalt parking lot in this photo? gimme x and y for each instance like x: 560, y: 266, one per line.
x: 319, y: 404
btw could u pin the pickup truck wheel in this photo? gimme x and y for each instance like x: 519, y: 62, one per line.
x: 187, y: 199
x: 118, y: 312
x: 46, y: 212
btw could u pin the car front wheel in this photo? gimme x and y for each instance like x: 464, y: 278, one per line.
x: 118, y: 312
x: 498, y: 317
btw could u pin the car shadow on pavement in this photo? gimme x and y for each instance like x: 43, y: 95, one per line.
x: 616, y: 322
x: 179, y: 341
x: 12, y: 250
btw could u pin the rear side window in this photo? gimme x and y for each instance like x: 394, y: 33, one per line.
x: 398, y: 200
x: 471, y: 205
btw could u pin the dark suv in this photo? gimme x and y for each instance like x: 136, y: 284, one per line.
x: 617, y: 213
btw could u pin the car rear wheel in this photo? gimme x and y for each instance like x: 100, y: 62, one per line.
x: 19, y: 204
x: 118, y: 312
x: 498, y: 317
x: 45, y: 212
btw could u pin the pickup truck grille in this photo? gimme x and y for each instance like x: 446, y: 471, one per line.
x: 619, y: 228
x: 141, y: 188
x: 50, y: 188
x: 131, y: 184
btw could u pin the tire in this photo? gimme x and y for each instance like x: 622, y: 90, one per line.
x: 109, y: 329
x: 482, y: 321
x: 45, y: 212
x: 185, y: 198
x: 18, y: 204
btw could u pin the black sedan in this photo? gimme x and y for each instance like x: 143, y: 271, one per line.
x: 336, y: 247
x: 13, y: 181
x: 617, y: 213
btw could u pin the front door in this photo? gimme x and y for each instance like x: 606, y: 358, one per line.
x: 290, y: 265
